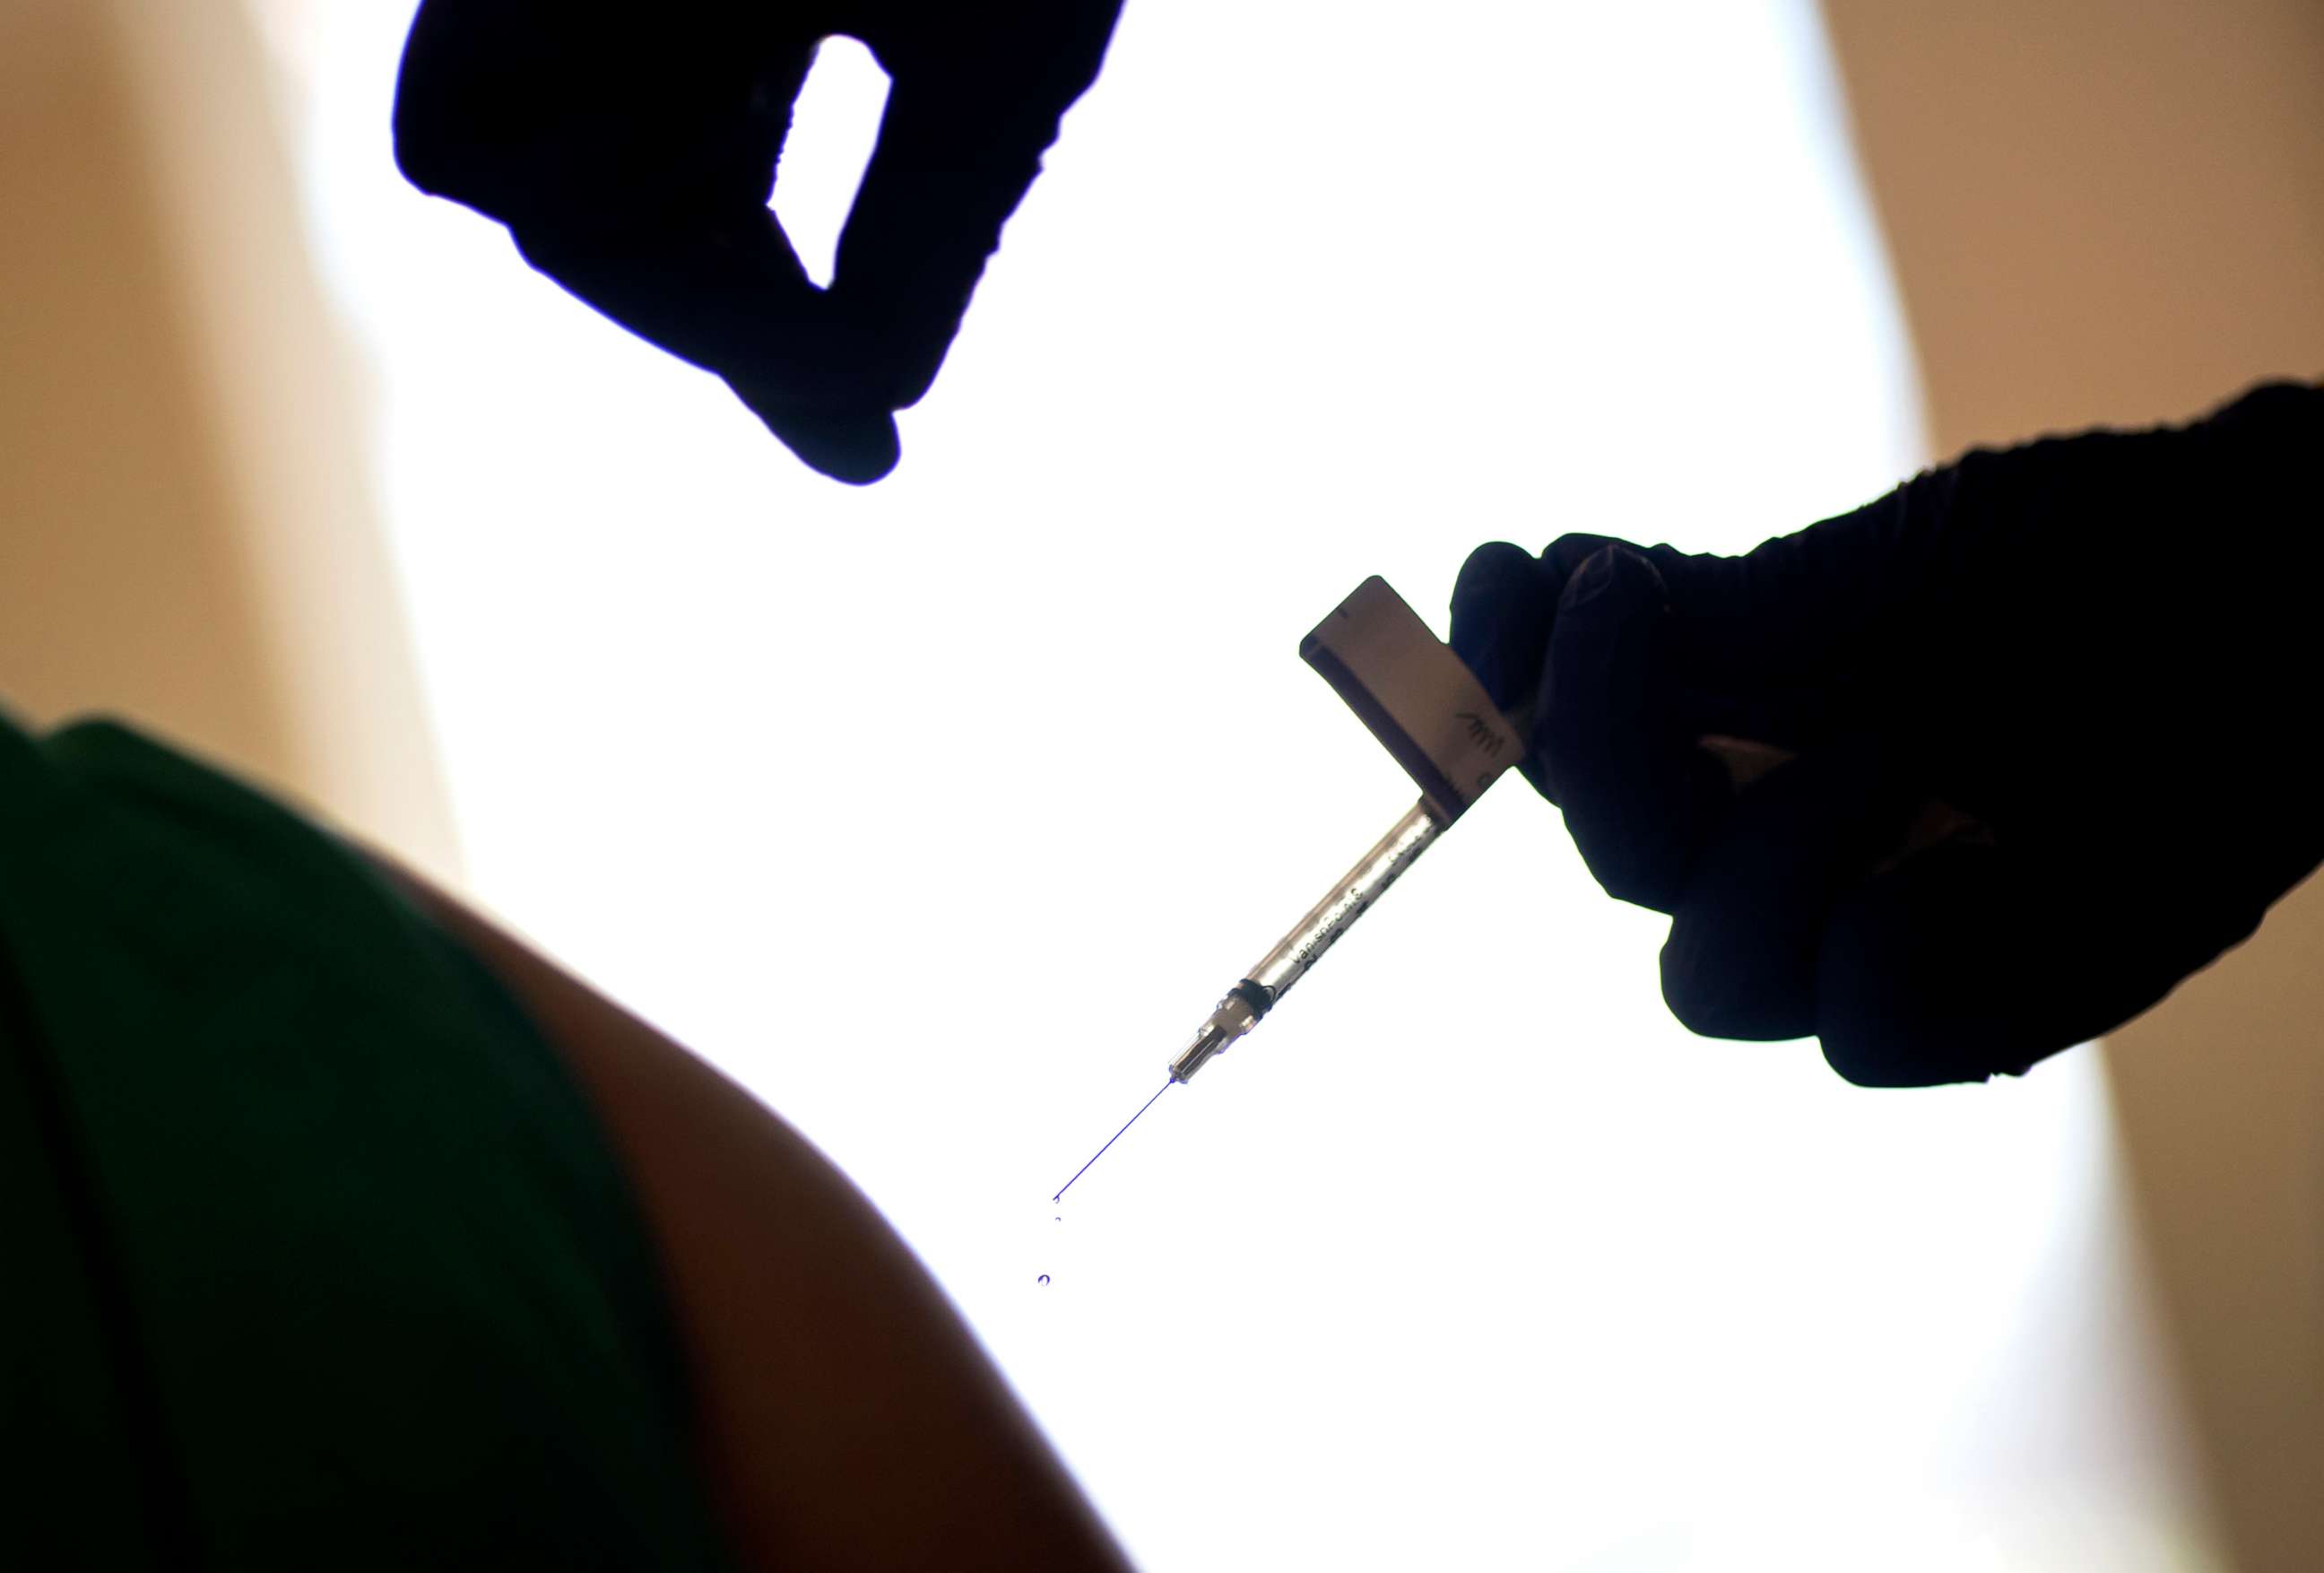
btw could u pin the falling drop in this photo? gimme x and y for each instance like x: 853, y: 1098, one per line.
x: 1045, y: 1278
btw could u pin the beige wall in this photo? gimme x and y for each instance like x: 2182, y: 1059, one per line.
x: 185, y: 535
x: 2112, y: 210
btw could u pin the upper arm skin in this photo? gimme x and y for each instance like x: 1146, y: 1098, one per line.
x: 849, y: 1420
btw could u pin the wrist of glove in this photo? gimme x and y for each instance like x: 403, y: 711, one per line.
x: 2033, y: 724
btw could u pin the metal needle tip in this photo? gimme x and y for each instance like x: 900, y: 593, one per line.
x: 1110, y: 1140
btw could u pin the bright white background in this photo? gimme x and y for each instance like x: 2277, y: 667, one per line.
x: 938, y: 813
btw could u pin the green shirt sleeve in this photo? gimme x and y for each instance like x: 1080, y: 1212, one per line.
x: 317, y: 1256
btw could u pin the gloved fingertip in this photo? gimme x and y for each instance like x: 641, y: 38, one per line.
x: 1923, y: 977
x: 855, y: 449
x: 858, y: 465
x: 1569, y: 551
x: 1502, y: 607
x: 1487, y: 576
x: 1613, y: 580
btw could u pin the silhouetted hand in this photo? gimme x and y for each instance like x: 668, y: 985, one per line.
x: 2046, y: 715
x: 630, y: 147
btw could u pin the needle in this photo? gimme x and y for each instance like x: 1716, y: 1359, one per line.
x: 1110, y: 1140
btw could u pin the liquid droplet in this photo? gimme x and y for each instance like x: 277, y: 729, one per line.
x: 1045, y: 1278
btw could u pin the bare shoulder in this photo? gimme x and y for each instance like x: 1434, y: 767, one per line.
x: 848, y: 1419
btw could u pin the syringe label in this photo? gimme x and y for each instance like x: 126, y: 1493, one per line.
x: 1405, y: 684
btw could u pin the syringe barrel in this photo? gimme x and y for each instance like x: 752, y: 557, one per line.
x: 1357, y: 890
x: 1317, y: 932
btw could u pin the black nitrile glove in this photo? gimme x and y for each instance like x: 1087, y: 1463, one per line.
x: 2049, y: 713
x: 630, y: 146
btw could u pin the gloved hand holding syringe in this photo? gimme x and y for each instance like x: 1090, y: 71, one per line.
x: 1937, y: 879
x: 1433, y: 716
x: 1436, y: 719
x: 1880, y: 650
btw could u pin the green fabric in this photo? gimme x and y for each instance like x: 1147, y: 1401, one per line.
x: 314, y: 1257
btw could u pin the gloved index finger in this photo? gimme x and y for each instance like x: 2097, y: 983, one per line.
x: 977, y: 94
x: 1639, y: 795
x: 725, y: 292
x: 1502, y: 602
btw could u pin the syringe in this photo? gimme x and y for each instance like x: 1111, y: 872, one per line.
x: 1248, y: 1001
x: 1294, y: 954
x: 1437, y: 722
